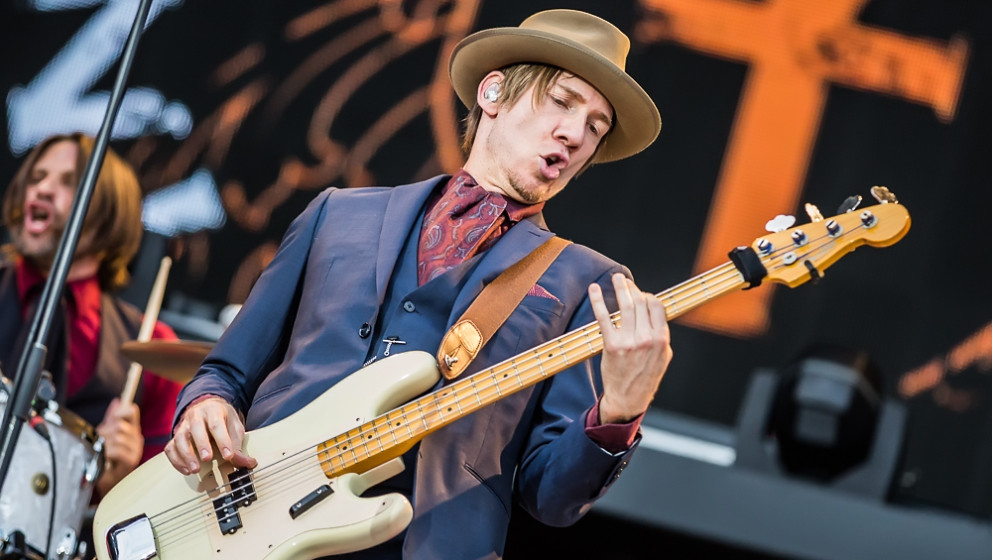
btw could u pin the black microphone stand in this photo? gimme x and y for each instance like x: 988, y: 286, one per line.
x: 29, y: 368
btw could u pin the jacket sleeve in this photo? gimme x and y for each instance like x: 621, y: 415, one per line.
x: 256, y: 340
x: 563, y: 472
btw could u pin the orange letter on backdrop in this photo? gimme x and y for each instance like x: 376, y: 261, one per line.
x: 795, y: 49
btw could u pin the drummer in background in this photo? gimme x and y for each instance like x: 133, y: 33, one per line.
x: 88, y: 372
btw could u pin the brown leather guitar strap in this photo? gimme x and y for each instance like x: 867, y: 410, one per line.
x: 490, y: 309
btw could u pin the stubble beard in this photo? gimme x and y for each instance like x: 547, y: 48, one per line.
x: 527, y: 196
x: 513, y: 176
x: 41, y: 250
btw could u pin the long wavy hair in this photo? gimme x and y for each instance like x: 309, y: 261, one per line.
x: 113, y: 219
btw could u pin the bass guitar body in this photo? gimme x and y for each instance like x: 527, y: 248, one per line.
x: 287, y: 506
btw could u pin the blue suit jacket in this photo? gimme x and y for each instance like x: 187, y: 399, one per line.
x: 298, y: 334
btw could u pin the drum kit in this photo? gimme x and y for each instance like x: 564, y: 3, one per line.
x: 46, y: 498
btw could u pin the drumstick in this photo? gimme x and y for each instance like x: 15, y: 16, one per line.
x: 147, y: 327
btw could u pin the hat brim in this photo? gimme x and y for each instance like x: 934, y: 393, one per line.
x: 637, y: 120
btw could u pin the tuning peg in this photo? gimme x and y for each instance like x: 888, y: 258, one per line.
x: 780, y: 223
x: 814, y: 213
x: 849, y: 204
x: 883, y: 195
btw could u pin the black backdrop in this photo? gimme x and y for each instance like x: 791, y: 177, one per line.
x: 277, y: 99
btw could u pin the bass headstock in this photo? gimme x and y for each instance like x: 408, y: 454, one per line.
x: 797, y: 254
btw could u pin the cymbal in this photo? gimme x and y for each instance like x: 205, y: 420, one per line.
x: 177, y: 360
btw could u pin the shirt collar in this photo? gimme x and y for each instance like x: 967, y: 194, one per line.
x: 30, y: 281
x: 515, y: 210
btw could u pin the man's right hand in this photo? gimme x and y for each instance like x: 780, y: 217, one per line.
x: 204, y: 423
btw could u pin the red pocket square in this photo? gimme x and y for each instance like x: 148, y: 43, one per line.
x: 539, y: 291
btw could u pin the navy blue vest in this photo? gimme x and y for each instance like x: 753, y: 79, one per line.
x: 403, y: 300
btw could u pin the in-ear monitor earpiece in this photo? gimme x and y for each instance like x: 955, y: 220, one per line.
x: 492, y: 92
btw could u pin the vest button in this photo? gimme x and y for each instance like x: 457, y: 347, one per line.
x: 365, y: 331
x: 409, y: 307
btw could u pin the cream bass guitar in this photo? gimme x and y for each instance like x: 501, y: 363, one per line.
x: 304, y: 499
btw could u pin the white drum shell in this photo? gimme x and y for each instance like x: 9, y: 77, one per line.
x: 27, y: 509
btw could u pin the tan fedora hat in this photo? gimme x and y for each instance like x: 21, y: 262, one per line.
x: 580, y: 43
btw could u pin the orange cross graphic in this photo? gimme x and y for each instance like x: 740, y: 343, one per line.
x: 795, y: 49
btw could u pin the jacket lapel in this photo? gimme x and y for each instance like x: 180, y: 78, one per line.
x: 403, y: 212
x: 515, y: 244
